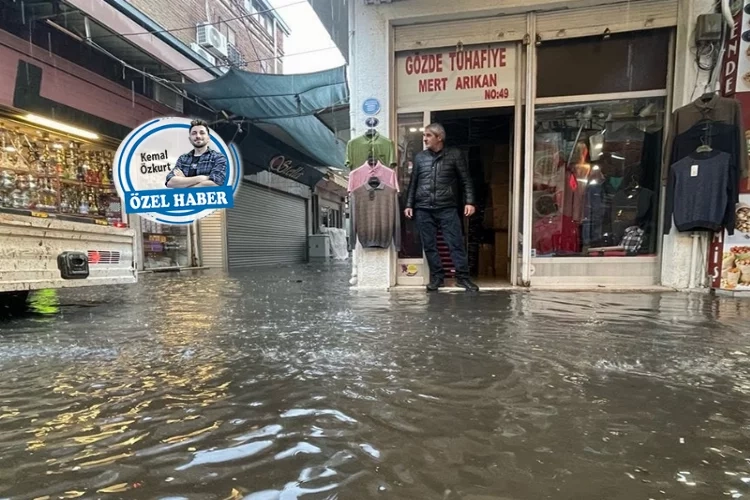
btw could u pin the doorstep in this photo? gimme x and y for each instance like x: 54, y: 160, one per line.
x: 170, y: 269
x: 545, y: 288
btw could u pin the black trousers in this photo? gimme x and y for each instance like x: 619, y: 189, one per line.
x: 446, y: 219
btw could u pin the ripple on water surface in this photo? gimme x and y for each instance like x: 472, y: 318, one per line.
x: 283, y: 383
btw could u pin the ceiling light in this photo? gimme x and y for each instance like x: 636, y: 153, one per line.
x: 68, y: 129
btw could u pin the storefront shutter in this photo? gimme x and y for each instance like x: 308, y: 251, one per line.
x: 615, y: 18
x: 212, y: 240
x: 466, y: 32
x: 265, y: 228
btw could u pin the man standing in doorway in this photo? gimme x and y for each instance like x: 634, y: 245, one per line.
x: 201, y: 167
x: 433, y: 202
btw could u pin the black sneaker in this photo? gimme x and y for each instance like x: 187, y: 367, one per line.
x: 467, y: 283
x: 434, y: 285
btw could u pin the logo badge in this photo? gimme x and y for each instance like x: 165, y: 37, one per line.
x: 158, y: 151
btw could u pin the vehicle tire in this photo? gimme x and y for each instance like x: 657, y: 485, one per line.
x: 14, y: 303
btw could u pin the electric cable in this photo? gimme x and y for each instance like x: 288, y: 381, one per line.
x: 185, y: 28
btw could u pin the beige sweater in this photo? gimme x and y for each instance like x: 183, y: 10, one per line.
x: 376, y: 216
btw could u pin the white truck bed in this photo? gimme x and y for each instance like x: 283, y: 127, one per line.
x: 30, y: 246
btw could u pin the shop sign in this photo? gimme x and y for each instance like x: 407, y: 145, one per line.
x: 283, y: 166
x: 150, y: 153
x: 728, y: 256
x: 474, y: 76
x: 371, y: 106
x: 731, y: 271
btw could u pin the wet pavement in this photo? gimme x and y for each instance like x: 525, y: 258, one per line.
x: 284, y: 384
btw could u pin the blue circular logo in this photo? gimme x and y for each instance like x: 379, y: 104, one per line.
x: 164, y: 174
x: 371, y: 106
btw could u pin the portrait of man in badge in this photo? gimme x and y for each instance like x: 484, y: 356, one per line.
x: 201, y: 167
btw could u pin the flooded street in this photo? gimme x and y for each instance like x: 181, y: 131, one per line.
x: 284, y: 384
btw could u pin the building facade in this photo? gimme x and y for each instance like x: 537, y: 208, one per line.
x: 521, y: 85
x: 71, y: 90
x: 251, y: 33
x: 106, y: 67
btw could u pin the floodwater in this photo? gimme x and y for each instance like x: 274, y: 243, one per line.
x: 285, y: 384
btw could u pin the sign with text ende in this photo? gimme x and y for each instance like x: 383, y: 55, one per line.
x: 477, y: 76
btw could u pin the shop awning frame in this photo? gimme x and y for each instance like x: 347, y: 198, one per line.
x: 284, y: 106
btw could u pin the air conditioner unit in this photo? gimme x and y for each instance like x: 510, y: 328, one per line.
x: 203, y: 53
x: 235, y: 56
x: 212, y: 39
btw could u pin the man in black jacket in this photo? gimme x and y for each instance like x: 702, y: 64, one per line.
x: 432, y: 200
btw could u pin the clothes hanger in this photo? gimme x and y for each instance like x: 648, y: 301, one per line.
x: 707, y: 94
x: 705, y: 147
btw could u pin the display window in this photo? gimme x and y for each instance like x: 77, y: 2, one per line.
x: 51, y: 173
x: 596, y: 178
x: 410, y: 129
x: 164, y: 245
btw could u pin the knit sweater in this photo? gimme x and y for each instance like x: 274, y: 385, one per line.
x: 376, y: 216
x: 682, y: 141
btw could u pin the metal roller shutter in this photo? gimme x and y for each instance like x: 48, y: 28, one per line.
x: 212, y: 240
x: 617, y: 18
x: 466, y: 32
x: 266, y: 228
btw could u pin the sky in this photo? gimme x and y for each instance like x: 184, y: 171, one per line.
x: 308, y: 34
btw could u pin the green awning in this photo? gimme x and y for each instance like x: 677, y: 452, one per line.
x: 284, y: 106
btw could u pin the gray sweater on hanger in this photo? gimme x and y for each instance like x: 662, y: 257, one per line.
x: 376, y: 216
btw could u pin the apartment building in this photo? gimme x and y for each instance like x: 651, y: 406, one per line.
x: 246, y: 34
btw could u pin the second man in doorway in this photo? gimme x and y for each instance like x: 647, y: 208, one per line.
x: 433, y: 201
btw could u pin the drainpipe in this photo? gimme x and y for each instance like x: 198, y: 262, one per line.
x: 275, y: 48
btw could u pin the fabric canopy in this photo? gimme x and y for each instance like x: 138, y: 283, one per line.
x: 284, y: 106
x: 261, y: 151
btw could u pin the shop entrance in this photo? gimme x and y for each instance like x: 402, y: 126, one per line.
x: 486, y: 138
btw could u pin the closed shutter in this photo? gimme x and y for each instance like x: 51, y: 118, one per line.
x: 212, y: 240
x: 266, y: 228
x: 465, y: 32
x: 614, y: 18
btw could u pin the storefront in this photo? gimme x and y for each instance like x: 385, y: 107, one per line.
x: 562, y: 115
x: 271, y: 217
x: 60, y: 125
x: 329, y: 203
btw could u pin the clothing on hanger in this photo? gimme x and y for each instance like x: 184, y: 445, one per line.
x: 699, y: 193
x: 376, y: 215
x: 725, y: 117
x: 371, y: 144
x: 360, y: 176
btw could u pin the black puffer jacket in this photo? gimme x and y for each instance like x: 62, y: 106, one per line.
x: 436, y: 177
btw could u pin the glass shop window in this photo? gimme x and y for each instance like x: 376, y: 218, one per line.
x: 409, y: 143
x: 624, y: 62
x: 596, y: 178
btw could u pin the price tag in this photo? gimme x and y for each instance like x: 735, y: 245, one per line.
x: 101, y: 222
x: 43, y: 215
x: 694, y: 171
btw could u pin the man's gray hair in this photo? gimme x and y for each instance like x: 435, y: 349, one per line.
x: 436, y: 129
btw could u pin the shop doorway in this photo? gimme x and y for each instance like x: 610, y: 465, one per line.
x: 486, y: 138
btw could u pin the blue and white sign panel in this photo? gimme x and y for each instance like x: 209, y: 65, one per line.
x: 371, y: 106
x: 148, y: 156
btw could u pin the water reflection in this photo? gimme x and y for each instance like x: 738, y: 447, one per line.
x: 284, y: 384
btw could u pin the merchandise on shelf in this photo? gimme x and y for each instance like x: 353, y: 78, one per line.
x: 43, y: 173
